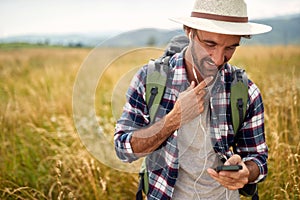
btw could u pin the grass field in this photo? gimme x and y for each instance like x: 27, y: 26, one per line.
x: 42, y: 157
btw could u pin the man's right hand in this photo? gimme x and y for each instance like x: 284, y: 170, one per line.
x: 190, y: 103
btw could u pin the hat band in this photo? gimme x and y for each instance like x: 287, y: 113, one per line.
x: 219, y: 17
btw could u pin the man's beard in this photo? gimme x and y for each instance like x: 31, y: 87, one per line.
x: 206, y: 67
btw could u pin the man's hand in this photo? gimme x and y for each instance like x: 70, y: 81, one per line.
x: 190, y: 103
x: 232, y: 180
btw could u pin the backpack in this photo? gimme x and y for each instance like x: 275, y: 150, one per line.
x: 157, y: 74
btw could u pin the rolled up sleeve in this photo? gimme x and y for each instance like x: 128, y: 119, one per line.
x: 123, y: 146
x: 134, y: 116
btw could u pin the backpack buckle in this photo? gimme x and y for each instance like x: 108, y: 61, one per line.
x: 240, y: 103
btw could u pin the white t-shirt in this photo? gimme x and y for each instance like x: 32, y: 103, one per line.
x: 196, y: 155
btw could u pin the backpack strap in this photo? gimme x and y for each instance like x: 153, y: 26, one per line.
x: 238, y: 102
x: 238, y: 97
x: 157, y: 73
x: 143, y: 181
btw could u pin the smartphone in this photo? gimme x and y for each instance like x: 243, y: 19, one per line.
x: 229, y: 168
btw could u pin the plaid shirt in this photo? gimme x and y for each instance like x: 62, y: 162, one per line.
x: 163, y: 164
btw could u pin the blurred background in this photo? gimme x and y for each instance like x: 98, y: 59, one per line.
x: 88, y: 23
x: 45, y: 45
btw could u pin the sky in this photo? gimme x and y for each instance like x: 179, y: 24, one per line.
x: 23, y: 17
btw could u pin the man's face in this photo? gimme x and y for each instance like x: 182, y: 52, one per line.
x: 211, y: 50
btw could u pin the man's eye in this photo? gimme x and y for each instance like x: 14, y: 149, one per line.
x: 231, y: 48
x: 210, y: 44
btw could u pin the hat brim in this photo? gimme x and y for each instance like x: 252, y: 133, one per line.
x: 222, y: 27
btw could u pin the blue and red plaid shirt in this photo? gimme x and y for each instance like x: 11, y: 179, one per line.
x: 162, y: 164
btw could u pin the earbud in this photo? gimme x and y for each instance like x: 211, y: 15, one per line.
x: 190, y: 35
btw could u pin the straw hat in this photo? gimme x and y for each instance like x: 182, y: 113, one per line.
x: 222, y: 16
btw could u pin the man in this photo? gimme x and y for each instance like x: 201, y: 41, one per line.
x: 193, y: 129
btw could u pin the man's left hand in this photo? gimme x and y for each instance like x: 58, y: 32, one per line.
x: 232, y: 180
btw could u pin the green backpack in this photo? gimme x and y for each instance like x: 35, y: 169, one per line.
x: 157, y: 74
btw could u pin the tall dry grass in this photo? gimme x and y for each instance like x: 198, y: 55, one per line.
x: 41, y: 156
x: 276, y: 70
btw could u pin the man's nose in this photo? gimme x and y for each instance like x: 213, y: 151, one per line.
x: 218, y: 57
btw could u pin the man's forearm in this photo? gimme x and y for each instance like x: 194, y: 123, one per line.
x: 147, y: 140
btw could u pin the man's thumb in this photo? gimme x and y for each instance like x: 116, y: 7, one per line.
x: 233, y: 160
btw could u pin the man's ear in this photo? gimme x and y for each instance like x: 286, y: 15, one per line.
x: 190, y: 35
x: 187, y: 31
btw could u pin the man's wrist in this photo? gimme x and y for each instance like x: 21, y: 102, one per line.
x: 253, y: 170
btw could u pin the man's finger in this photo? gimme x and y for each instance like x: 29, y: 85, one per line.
x: 203, y: 83
x: 233, y: 160
x: 202, y: 93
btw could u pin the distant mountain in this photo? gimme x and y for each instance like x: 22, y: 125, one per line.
x: 285, y: 31
x: 142, y: 37
x: 62, y: 40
